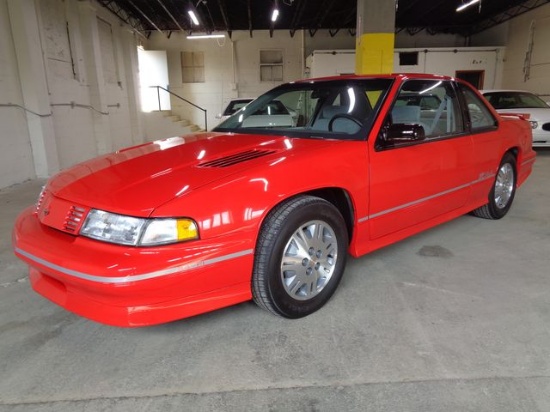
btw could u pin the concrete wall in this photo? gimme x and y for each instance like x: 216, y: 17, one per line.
x: 68, y: 86
x: 529, y: 35
x: 436, y: 60
x: 16, y: 162
x: 447, y: 61
x: 232, y: 68
x: 342, y: 40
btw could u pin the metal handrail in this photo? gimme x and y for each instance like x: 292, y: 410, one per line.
x: 159, y: 88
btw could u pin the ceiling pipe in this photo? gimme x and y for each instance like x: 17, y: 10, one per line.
x: 147, y: 18
x: 250, y: 17
x: 170, y: 14
x: 224, y: 17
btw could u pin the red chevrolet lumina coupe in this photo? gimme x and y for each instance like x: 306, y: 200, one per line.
x: 260, y: 210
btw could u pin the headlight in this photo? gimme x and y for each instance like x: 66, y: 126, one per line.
x: 534, y: 124
x: 162, y: 231
x: 127, y: 230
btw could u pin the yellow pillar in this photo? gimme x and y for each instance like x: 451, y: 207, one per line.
x: 374, y: 53
x: 375, y: 36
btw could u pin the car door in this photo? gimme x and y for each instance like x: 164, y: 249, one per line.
x: 484, y: 129
x: 412, y: 182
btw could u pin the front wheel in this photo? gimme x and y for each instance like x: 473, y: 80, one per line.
x: 502, y: 192
x: 300, y: 257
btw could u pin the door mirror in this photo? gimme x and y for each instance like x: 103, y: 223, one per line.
x: 405, y: 132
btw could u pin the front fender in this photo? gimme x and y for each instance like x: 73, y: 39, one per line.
x: 241, y: 202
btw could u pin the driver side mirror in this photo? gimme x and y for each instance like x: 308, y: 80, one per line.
x: 403, y: 132
x: 399, y: 133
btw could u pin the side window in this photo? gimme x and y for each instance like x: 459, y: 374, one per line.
x: 423, y: 110
x: 480, y: 116
x: 430, y: 103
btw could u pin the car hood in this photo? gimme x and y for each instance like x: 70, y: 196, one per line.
x: 139, y: 179
x: 538, y: 114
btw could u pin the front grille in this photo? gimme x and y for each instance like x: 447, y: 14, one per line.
x: 60, y: 214
x: 236, y: 158
x: 73, y: 221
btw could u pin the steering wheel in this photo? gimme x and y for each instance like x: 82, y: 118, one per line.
x: 343, y: 116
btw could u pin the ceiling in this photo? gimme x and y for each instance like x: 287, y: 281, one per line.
x: 412, y: 16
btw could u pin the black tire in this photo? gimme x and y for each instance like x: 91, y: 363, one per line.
x: 287, y: 279
x: 502, y: 192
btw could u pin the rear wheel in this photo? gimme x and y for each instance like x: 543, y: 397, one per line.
x: 300, y: 257
x: 502, y: 192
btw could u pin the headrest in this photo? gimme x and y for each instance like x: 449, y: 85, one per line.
x: 404, y: 114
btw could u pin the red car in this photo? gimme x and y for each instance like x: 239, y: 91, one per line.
x: 186, y: 225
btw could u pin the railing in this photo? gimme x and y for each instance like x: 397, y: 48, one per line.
x: 159, y: 88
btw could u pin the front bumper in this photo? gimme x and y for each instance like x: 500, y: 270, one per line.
x: 541, y: 138
x: 129, y: 286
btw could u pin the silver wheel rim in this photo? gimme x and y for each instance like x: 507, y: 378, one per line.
x: 309, y: 260
x: 504, y: 185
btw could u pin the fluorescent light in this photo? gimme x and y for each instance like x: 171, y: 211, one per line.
x: 193, y: 17
x: 275, y: 15
x: 470, y: 3
x: 206, y: 36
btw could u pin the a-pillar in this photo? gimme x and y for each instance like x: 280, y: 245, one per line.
x: 34, y: 85
x: 375, y: 36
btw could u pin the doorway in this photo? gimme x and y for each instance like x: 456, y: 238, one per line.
x: 153, y: 71
x: 474, y: 77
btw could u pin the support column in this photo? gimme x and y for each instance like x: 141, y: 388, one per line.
x: 34, y: 86
x: 130, y: 64
x: 95, y: 76
x: 375, y: 36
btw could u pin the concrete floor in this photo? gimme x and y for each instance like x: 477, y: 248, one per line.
x: 454, y: 319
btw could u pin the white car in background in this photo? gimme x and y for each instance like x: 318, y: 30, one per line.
x: 233, y: 107
x: 518, y: 101
x: 273, y: 114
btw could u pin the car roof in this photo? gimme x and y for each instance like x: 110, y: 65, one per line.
x: 378, y: 76
x: 504, y: 91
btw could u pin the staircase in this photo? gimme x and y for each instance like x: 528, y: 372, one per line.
x: 163, y: 124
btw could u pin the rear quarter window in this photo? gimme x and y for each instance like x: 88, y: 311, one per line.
x: 480, y: 115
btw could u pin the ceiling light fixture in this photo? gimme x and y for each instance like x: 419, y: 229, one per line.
x: 193, y: 17
x: 466, y: 5
x: 275, y: 15
x: 205, y: 36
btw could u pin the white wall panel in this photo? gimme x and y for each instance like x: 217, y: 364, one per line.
x: 16, y: 161
x: 529, y: 32
x: 86, y: 66
x: 232, y: 68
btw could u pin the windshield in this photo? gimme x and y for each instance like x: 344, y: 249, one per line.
x: 515, y: 100
x: 235, y: 105
x: 331, y: 108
